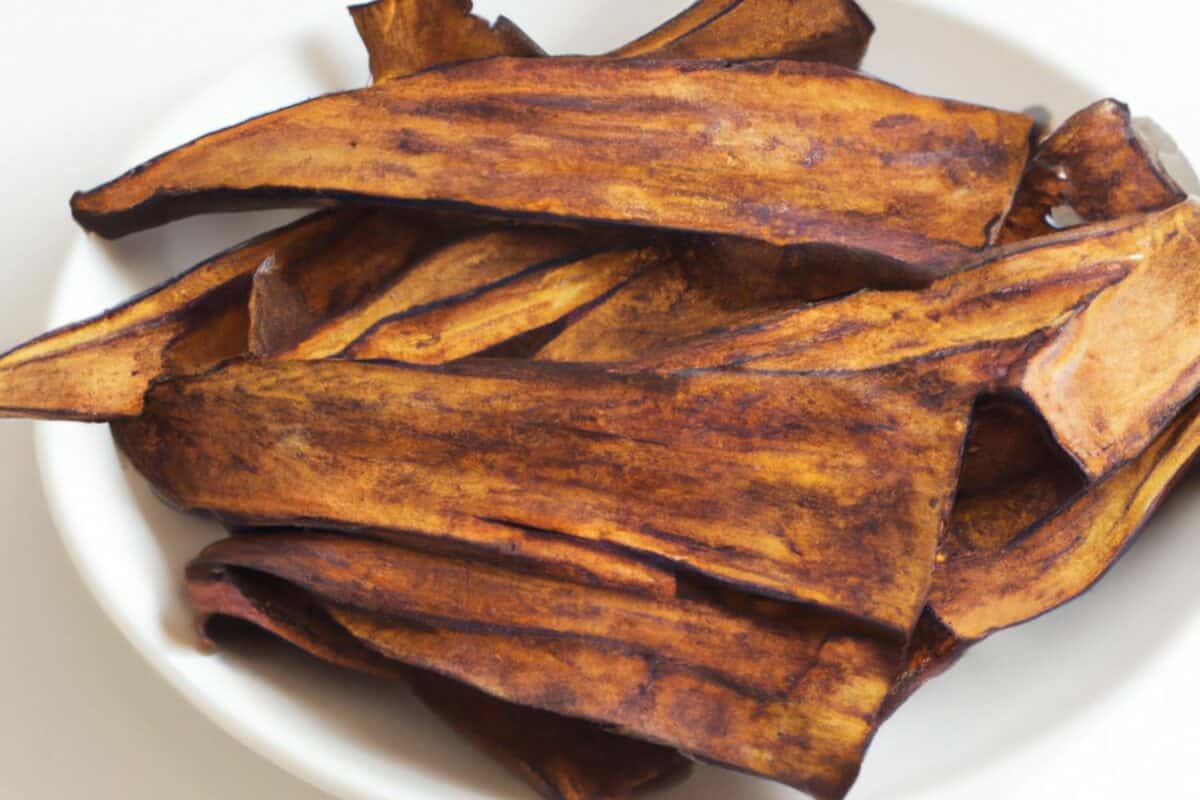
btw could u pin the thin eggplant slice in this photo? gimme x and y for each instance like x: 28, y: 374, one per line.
x: 715, y: 285
x: 1058, y: 559
x: 796, y: 701
x: 1098, y: 166
x: 832, y: 31
x: 100, y: 368
x: 464, y: 268
x: 558, y: 756
x: 407, y: 36
x: 915, y: 178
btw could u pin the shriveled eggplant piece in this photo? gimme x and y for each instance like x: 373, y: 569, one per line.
x: 798, y: 153
x: 100, y: 368
x: 472, y: 280
x: 833, y: 31
x: 499, y: 313
x: 689, y: 469
x: 1098, y: 166
x: 796, y: 701
x: 561, y: 757
x: 1060, y: 558
x: 407, y: 36
x: 844, y: 417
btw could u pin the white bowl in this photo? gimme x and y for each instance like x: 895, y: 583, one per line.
x: 1040, y: 711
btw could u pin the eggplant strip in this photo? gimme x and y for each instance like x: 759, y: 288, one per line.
x: 796, y: 702
x: 403, y: 37
x: 100, y: 368
x: 558, y: 756
x: 915, y: 178
x: 501, y: 313
x: 1106, y: 384
x: 462, y: 269
x: 831, y: 31
x: 298, y: 288
x: 1097, y: 165
x: 1061, y: 557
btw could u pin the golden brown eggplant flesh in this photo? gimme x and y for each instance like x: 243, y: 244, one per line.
x: 785, y: 152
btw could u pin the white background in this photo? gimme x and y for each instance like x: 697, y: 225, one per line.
x: 82, y: 80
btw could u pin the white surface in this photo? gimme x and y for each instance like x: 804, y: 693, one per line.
x: 1092, y: 701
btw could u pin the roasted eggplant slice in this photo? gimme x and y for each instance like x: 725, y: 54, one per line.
x: 1061, y: 557
x: 100, y: 368
x: 407, y: 36
x: 817, y: 154
x: 796, y: 701
x: 833, y: 31
x: 1096, y: 166
x: 560, y: 757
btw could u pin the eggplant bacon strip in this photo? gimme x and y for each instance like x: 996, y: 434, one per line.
x: 1014, y: 482
x: 808, y: 153
x: 795, y: 700
x: 713, y: 285
x: 563, y: 758
x: 100, y: 369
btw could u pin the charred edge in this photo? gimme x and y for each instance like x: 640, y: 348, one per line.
x: 168, y: 206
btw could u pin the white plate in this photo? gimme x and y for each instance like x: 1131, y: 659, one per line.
x: 1084, y: 702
